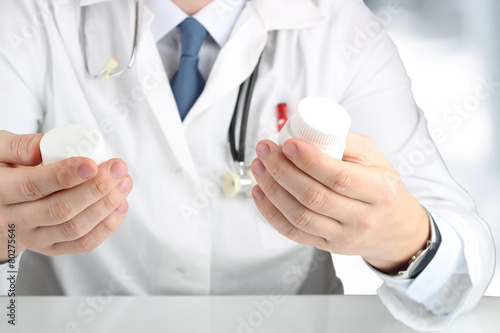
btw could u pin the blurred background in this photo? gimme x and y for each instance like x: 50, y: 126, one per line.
x: 449, y: 47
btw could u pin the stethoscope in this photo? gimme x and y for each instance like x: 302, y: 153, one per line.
x: 240, y: 179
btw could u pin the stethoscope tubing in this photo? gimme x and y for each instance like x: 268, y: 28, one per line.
x: 238, y: 154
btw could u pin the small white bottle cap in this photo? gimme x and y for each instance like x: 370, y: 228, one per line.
x: 319, y: 121
x: 72, y: 141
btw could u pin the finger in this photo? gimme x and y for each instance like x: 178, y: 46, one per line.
x: 87, y: 220
x: 361, y: 150
x: 274, y: 216
x: 307, y: 190
x: 64, y: 205
x: 345, y: 178
x: 30, y: 184
x: 299, y: 215
x: 20, y: 149
x: 93, y: 239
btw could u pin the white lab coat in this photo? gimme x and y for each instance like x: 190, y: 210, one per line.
x: 181, y: 235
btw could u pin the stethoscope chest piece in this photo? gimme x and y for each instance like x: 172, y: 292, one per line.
x: 242, y: 181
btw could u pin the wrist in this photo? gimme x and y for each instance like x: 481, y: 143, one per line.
x: 422, y: 258
x: 398, y: 257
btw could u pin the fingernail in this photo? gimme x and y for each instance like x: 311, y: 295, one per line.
x: 290, y: 149
x: 86, y: 171
x: 125, y: 185
x: 258, y: 168
x: 122, y: 208
x: 118, y: 170
x: 263, y: 150
x: 257, y: 193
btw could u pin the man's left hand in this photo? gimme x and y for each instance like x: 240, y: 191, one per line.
x: 357, y: 206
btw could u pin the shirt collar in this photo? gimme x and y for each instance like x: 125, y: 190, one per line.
x: 218, y: 17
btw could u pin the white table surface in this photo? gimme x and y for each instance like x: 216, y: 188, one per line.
x: 224, y: 314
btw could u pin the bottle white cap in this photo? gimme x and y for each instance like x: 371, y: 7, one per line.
x: 72, y: 141
x: 319, y: 121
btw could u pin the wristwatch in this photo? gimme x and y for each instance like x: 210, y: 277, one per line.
x: 423, y: 257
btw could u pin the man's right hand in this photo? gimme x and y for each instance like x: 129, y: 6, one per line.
x: 69, y: 207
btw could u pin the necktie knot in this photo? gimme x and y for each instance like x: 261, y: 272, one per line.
x: 193, y: 36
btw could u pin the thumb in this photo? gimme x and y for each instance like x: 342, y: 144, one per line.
x: 20, y: 149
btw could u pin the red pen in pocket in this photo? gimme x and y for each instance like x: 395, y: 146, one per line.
x: 282, y: 115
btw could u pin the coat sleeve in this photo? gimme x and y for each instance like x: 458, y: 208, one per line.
x: 377, y: 94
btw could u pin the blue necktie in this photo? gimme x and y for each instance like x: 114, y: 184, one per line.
x: 187, y: 84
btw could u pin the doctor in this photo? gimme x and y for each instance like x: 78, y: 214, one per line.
x: 166, y: 123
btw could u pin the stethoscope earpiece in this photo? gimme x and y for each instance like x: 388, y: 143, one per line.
x: 109, y: 67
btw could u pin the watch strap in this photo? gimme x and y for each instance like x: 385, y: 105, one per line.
x: 423, y: 257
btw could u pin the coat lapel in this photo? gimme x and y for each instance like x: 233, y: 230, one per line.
x: 162, y: 101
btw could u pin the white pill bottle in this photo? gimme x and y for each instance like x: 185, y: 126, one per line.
x: 72, y: 141
x: 321, y: 122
